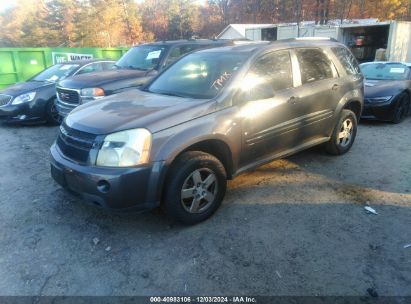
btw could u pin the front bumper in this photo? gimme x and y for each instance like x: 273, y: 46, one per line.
x: 26, y: 112
x: 381, y: 111
x: 64, y: 109
x: 122, y: 189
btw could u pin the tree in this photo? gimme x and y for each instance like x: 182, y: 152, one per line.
x: 60, y: 22
x: 106, y: 23
x: 181, y: 19
x: 154, y: 18
x: 223, y: 9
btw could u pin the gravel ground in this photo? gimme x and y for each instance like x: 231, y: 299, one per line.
x: 293, y: 227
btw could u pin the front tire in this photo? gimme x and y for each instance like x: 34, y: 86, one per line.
x: 195, y: 187
x: 344, y: 134
x: 52, y: 115
x: 401, y: 108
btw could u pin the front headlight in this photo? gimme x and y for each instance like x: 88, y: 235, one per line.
x: 92, y: 93
x: 125, y: 149
x: 27, y: 97
x: 380, y: 99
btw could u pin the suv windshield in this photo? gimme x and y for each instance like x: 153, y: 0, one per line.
x: 56, y: 72
x: 144, y: 57
x: 385, y: 71
x: 198, y: 75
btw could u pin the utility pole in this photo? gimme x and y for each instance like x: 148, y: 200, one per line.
x: 298, y: 7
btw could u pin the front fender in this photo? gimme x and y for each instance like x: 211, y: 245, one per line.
x: 169, y: 143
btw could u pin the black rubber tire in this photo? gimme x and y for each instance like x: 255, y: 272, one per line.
x: 181, y: 168
x: 400, y: 114
x: 50, y: 116
x: 333, y: 147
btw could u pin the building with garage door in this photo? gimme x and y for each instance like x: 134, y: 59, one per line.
x: 367, y: 38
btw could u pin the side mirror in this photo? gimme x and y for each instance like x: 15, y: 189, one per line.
x: 152, y: 73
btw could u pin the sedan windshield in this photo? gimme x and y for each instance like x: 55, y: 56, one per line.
x: 144, y: 57
x: 199, y: 75
x: 56, y: 72
x: 385, y: 71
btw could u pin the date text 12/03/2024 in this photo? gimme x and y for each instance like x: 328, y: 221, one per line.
x: 203, y: 299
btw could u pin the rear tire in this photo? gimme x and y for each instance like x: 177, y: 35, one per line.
x: 52, y: 115
x: 401, y: 108
x: 344, y: 134
x: 195, y: 187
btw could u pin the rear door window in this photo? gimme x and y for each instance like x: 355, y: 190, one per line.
x: 314, y: 65
x: 347, y: 60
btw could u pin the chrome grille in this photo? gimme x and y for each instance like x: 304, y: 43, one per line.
x: 5, y: 99
x: 68, y: 96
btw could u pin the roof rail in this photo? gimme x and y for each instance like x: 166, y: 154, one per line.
x: 315, y: 38
x: 305, y: 39
x: 244, y: 42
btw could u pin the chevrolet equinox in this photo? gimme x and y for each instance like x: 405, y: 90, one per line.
x: 207, y: 118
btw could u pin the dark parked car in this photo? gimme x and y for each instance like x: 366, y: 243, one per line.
x: 33, y: 100
x: 209, y: 117
x: 139, y: 65
x: 387, y: 90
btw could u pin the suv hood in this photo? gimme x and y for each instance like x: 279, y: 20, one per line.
x: 25, y: 87
x: 136, y: 109
x: 96, y: 79
x: 379, y: 88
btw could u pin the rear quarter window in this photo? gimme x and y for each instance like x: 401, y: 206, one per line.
x: 347, y: 60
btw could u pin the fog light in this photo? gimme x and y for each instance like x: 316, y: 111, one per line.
x: 103, y: 186
x: 22, y: 117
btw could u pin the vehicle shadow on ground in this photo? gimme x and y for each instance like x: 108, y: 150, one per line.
x: 375, y: 162
x: 265, y: 244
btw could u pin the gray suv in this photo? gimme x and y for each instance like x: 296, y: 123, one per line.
x: 209, y: 117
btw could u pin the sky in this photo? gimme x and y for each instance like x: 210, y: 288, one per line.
x: 6, y: 4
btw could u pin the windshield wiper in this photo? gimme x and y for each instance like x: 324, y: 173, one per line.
x: 134, y: 68
x: 169, y: 94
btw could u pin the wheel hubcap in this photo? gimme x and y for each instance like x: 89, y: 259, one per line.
x: 199, y: 190
x: 345, y: 135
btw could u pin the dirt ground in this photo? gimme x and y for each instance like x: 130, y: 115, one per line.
x: 293, y: 227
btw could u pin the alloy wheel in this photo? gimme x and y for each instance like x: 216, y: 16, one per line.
x: 199, y: 190
x: 346, y: 131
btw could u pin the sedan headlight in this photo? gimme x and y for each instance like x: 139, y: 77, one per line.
x: 92, y: 93
x: 380, y: 99
x: 27, y: 97
x: 125, y: 149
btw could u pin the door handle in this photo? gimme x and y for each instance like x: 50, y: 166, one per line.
x: 335, y: 87
x: 293, y: 100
